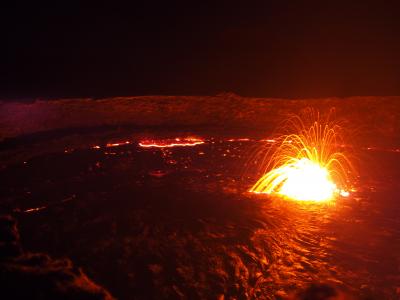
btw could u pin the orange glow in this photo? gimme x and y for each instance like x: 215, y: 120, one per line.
x: 300, y: 179
x: 169, y: 143
x: 35, y: 209
x: 269, y: 140
x: 239, y: 140
x: 117, y: 144
x: 307, y: 165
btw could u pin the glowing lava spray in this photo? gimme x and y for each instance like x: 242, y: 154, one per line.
x: 309, y: 162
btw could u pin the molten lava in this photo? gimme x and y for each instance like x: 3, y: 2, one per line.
x: 307, y: 165
x: 301, y: 179
x: 169, y: 143
x: 117, y: 144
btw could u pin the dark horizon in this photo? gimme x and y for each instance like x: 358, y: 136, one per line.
x: 268, y: 50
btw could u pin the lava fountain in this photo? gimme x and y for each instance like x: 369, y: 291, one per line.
x: 309, y: 163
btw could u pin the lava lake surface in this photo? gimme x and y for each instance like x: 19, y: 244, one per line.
x: 178, y: 222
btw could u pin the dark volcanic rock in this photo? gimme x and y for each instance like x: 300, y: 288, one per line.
x: 36, y: 275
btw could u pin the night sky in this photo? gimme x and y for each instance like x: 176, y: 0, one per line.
x: 273, y: 49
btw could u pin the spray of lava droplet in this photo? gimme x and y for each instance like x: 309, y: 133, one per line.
x: 308, y: 165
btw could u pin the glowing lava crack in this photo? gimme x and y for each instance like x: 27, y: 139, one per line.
x: 308, y: 165
x: 169, y: 143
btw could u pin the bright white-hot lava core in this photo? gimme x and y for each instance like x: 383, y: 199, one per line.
x: 301, y: 179
x: 308, y: 165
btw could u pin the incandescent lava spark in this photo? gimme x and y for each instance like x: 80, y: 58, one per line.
x: 307, y: 165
